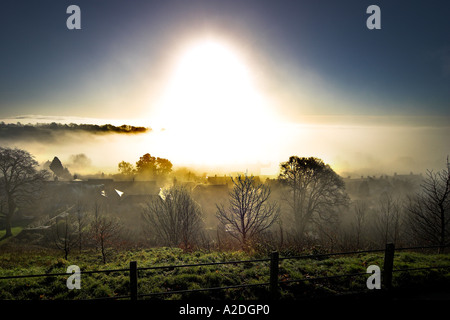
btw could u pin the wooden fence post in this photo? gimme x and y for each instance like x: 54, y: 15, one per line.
x: 133, y: 280
x: 274, y: 275
x: 388, y: 265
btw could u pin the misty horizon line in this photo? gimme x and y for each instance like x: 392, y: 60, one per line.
x: 208, y: 172
x: 307, y: 118
x: 358, y: 150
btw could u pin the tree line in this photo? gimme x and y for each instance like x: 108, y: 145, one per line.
x: 18, y: 128
x: 84, y: 227
x: 147, y: 166
x: 306, y: 205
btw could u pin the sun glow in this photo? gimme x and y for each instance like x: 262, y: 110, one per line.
x: 209, y: 83
x: 212, y: 111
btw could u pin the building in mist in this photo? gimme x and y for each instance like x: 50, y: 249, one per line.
x: 373, y: 186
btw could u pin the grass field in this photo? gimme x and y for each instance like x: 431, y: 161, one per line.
x: 117, y: 283
x: 14, y: 230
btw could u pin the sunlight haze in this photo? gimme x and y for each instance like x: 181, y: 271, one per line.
x: 232, y: 86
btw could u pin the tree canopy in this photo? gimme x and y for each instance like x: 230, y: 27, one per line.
x: 153, y: 166
x: 126, y: 169
x: 174, y: 217
x: 249, y: 212
x: 20, y: 182
x: 314, y: 190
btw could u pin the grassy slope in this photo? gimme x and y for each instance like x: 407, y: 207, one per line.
x: 116, y: 284
x: 14, y: 230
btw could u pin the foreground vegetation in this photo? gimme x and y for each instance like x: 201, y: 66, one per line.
x: 99, y: 285
x: 15, y: 230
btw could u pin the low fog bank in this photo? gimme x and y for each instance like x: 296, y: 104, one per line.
x: 83, y: 148
x: 357, y: 150
x: 352, y: 150
x: 381, y: 169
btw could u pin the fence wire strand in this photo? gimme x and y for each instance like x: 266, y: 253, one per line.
x: 279, y: 259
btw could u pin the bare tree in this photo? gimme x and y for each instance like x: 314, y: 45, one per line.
x: 249, y: 212
x: 105, y: 231
x: 81, y: 223
x: 429, y: 210
x: 314, y: 191
x: 20, y: 182
x: 174, y: 217
x: 360, y: 209
x: 63, y: 232
x: 388, y: 221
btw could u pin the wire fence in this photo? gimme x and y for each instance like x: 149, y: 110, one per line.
x: 273, y: 285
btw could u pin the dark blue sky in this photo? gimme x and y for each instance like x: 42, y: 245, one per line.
x: 314, y: 47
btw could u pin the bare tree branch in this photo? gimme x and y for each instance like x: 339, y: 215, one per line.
x: 20, y: 182
x: 174, y: 217
x: 313, y: 191
x: 249, y: 212
x: 429, y: 210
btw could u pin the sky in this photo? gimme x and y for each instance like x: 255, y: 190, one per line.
x: 275, y: 78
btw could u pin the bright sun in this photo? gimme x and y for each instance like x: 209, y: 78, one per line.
x: 211, y: 109
x: 209, y: 83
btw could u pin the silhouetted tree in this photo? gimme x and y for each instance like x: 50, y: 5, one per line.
x: 249, y: 212
x: 388, y: 219
x: 63, y: 233
x: 360, y: 208
x: 105, y: 231
x: 20, y: 182
x: 153, y: 166
x: 81, y: 223
x: 313, y: 191
x: 163, y: 166
x: 174, y: 217
x: 126, y: 169
x: 429, y: 210
x: 146, y: 165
